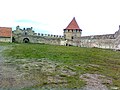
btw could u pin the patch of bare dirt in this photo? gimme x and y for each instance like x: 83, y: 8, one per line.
x: 95, y: 81
x: 9, y: 76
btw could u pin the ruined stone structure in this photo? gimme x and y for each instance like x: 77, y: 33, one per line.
x: 72, y: 36
x: 27, y: 35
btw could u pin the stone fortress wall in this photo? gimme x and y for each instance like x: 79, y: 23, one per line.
x: 108, y: 41
x: 27, y: 35
x: 100, y: 41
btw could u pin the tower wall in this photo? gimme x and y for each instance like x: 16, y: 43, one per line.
x: 72, y: 34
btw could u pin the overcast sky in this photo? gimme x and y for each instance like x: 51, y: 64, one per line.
x: 94, y: 17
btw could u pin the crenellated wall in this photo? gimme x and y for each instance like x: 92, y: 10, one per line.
x: 29, y: 36
x: 108, y: 41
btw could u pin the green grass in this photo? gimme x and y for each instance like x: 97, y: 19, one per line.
x: 5, y: 44
x: 65, y: 54
x: 79, y: 60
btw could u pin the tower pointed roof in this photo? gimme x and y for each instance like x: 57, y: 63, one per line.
x: 73, y: 25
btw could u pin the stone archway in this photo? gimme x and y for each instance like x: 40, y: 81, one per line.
x: 26, y: 40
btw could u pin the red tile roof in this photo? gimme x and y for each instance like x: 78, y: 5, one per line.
x: 73, y: 25
x: 5, y: 32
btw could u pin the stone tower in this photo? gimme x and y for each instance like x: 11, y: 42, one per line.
x: 72, y: 31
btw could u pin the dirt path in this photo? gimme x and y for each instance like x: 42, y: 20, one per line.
x: 8, y: 74
x: 10, y: 77
x: 1, y: 49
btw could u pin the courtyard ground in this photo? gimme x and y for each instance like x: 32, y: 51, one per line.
x: 46, y: 67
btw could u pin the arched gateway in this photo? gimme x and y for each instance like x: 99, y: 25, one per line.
x: 26, y: 40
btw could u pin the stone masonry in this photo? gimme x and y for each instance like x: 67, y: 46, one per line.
x: 72, y: 37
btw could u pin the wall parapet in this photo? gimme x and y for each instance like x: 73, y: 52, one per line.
x: 49, y: 35
x: 106, y: 36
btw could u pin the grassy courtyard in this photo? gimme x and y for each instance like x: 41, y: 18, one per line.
x: 61, y: 66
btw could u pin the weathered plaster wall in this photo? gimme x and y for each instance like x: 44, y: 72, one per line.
x: 5, y: 39
x: 108, y: 41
